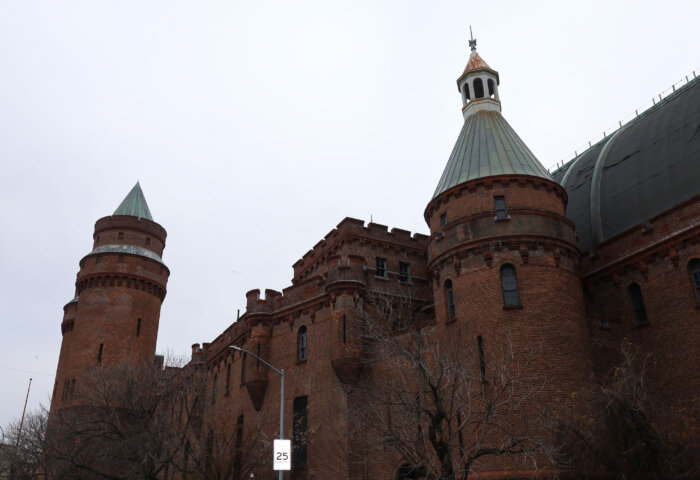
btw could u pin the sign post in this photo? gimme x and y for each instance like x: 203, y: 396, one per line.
x: 282, y: 459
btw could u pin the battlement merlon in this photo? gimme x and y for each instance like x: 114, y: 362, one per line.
x: 354, y: 228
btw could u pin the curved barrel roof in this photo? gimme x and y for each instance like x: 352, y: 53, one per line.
x: 647, y: 167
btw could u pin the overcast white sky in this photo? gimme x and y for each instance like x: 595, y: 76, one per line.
x: 256, y: 126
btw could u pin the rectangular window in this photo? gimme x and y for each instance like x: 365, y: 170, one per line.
x: 243, y: 367
x: 404, y: 272
x: 213, y: 390
x: 99, y: 354
x: 381, y: 267
x: 500, y: 206
x: 299, y: 429
x: 120, y: 236
x: 443, y: 219
x: 138, y: 327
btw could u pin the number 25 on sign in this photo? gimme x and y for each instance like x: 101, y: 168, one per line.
x: 283, y: 455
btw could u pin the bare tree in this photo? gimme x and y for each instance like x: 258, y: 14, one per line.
x: 442, y: 410
x: 22, y: 456
x: 626, y: 441
x: 130, y: 421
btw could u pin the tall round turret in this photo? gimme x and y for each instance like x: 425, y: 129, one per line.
x: 503, y: 257
x: 120, y: 287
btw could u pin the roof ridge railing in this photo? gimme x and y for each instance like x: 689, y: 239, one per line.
x: 625, y: 120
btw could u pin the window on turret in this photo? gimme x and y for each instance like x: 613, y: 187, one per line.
x: 637, y: 299
x: 492, y: 88
x: 345, y: 330
x: 138, y: 327
x: 482, y: 357
x: 148, y: 241
x: 301, y: 343
x: 499, y: 203
x: 381, y: 267
x: 509, y: 284
x: 120, y: 236
x: 99, y: 353
x: 213, y: 389
x: 228, y: 379
x: 443, y: 219
x: 478, y: 88
x: 449, y: 299
x: 694, y: 270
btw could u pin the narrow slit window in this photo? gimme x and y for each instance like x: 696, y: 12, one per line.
x: 99, y: 353
x: 301, y: 343
x: 637, y: 299
x: 449, y: 298
x: 213, y: 389
x: 500, y: 207
x: 228, y: 379
x: 509, y: 283
x: 244, y: 360
x: 443, y: 219
x: 138, y: 327
x: 345, y: 330
x: 482, y: 358
x: 299, y: 430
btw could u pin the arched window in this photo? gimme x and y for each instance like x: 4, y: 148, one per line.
x: 492, y: 88
x: 509, y: 284
x: 478, y: 88
x: 301, y: 343
x: 637, y: 299
x: 449, y: 299
x: 694, y: 270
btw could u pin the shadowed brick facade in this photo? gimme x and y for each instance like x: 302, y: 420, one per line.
x: 514, y: 255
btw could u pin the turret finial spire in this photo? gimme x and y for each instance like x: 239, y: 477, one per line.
x: 472, y: 41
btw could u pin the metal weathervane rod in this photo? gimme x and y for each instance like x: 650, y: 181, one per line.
x: 281, y: 374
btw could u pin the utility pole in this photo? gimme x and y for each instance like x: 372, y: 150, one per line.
x: 21, y: 423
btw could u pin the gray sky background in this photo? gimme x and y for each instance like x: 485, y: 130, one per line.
x: 256, y: 126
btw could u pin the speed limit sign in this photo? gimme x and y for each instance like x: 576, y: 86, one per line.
x: 283, y: 455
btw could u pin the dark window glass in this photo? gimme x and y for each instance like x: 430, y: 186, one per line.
x: 345, y: 330
x: 99, y: 354
x: 257, y: 364
x: 138, y: 327
x: 228, y: 379
x: 694, y: 269
x: 449, y: 297
x: 301, y: 343
x: 443, y: 219
x: 238, y: 453
x: 381, y: 267
x: 213, y: 389
x: 510, y: 286
x: 299, y: 429
x: 482, y: 358
x: 500, y: 206
x: 243, y: 367
x: 404, y: 272
x: 640, y: 312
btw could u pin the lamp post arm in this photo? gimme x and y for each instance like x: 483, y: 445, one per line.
x: 278, y: 372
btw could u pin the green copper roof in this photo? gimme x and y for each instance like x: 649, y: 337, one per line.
x: 487, y: 146
x: 134, y: 204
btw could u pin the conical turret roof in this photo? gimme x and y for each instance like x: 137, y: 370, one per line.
x: 134, y: 204
x: 487, y: 146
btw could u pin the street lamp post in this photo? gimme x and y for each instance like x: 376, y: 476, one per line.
x: 281, y: 374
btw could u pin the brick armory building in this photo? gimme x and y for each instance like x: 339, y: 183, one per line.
x: 603, y: 250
